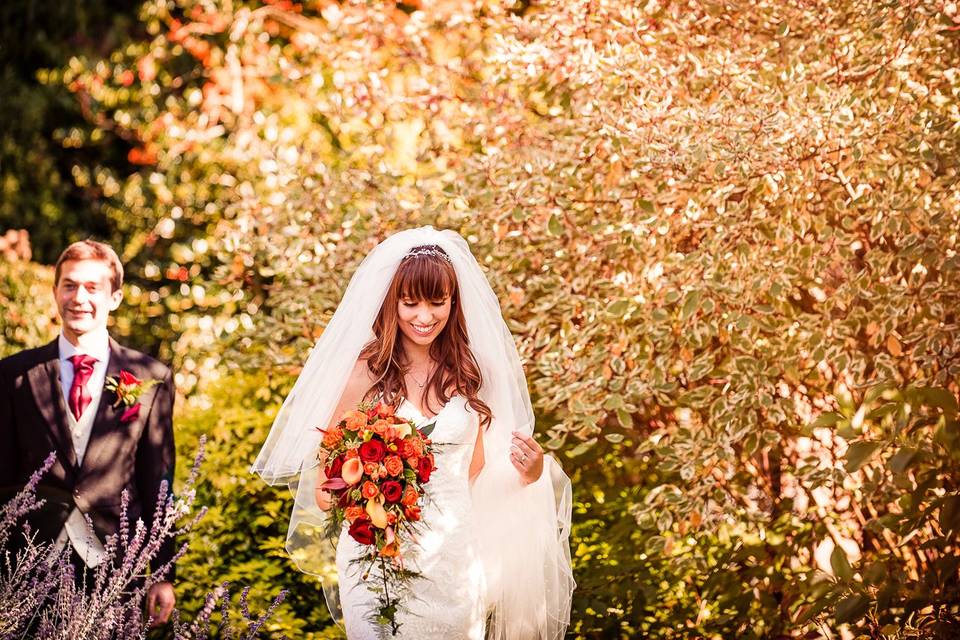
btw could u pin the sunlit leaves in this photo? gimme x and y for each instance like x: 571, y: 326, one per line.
x: 711, y: 229
x: 859, y: 453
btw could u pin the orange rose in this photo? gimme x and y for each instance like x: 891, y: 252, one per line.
x: 352, y: 513
x: 391, y: 517
x: 332, y: 437
x: 372, y: 469
x: 418, y: 446
x: 393, y: 465
x: 410, y: 496
x: 369, y: 490
x: 355, y: 420
x: 412, y: 513
x: 379, y: 427
x: 353, y: 452
x: 389, y: 433
x: 382, y: 410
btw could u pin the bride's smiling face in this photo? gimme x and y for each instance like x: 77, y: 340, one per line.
x: 421, y: 321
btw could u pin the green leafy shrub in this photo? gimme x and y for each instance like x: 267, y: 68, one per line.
x: 711, y: 229
x: 241, y: 537
x: 904, y: 456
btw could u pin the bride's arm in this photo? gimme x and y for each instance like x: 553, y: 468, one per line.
x: 357, y: 386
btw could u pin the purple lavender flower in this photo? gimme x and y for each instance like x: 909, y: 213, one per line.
x: 41, y: 597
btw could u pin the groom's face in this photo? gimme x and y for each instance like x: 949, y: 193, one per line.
x: 85, y: 296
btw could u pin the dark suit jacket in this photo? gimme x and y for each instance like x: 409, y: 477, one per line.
x: 135, y: 455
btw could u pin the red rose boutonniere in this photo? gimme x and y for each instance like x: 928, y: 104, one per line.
x: 128, y: 388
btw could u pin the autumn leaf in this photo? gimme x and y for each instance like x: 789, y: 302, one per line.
x: 893, y: 346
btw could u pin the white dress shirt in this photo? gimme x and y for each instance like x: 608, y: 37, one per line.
x: 76, y: 529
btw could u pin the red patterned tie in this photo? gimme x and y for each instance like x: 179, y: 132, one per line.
x: 79, y: 396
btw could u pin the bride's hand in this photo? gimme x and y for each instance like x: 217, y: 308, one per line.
x: 527, y: 456
x: 323, y: 499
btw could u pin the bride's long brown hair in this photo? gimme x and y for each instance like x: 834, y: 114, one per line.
x: 425, y: 275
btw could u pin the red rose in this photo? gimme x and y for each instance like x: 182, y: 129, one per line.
x: 391, y: 490
x: 127, y: 379
x: 333, y: 469
x: 372, y: 451
x: 407, y: 450
x: 412, y: 513
x: 362, y: 531
x: 131, y: 414
x: 424, y: 467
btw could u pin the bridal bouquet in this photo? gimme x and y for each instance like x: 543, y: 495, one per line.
x: 376, y: 466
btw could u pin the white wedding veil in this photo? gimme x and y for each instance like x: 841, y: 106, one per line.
x: 522, y: 530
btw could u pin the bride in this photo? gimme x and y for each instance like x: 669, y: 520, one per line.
x: 420, y: 329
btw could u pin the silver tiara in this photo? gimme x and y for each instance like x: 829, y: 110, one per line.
x: 425, y: 250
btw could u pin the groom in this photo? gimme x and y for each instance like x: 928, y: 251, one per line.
x: 56, y: 398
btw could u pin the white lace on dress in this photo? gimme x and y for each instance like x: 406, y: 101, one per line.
x: 446, y: 602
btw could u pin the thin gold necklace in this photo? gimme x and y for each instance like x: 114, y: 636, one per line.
x: 417, y: 382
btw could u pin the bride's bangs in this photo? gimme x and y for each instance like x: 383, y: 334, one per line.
x: 425, y: 277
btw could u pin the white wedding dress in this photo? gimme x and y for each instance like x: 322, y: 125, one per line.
x: 446, y: 602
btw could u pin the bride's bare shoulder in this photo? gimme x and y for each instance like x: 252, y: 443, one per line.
x: 358, y: 384
x: 360, y: 380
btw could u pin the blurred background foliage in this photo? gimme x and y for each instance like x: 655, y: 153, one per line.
x: 39, y: 143
x: 724, y: 235
x: 29, y: 316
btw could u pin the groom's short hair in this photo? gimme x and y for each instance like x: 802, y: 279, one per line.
x: 91, y: 250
